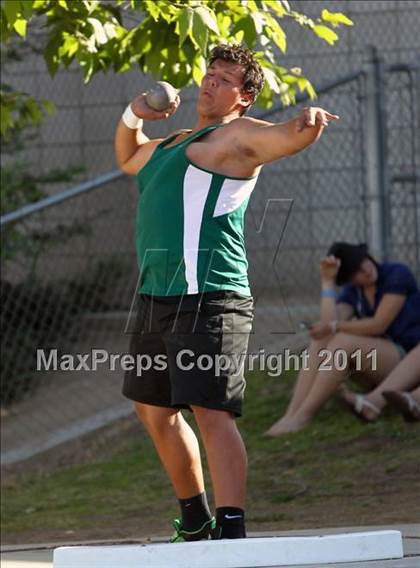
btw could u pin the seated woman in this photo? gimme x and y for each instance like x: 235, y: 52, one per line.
x: 385, y: 299
x: 398, y: 390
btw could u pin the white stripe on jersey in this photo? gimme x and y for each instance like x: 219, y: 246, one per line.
x: 232, y: 194
x: 196, y: 189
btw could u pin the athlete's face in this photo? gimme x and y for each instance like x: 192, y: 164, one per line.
x: 220, y: 91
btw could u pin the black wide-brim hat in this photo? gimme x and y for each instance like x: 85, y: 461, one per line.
x: 351, y: 257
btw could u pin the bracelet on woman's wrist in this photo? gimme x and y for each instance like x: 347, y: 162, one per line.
x: 130, y: 119
x: 329, y: 293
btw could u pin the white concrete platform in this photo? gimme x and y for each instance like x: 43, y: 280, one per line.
x: 240, y: 553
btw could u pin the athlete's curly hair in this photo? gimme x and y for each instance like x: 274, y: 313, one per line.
x: 253, y: 74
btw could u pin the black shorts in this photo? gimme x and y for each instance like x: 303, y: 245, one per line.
x: 190, y: 350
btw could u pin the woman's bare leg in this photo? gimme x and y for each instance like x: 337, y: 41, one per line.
x: 304, y: 382
x: 306, y: 376
x: 404, y: 377
x: 327, y: 381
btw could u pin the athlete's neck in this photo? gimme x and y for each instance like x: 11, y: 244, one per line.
x: 204, y: 121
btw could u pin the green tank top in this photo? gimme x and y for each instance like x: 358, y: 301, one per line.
x: 189, y: 224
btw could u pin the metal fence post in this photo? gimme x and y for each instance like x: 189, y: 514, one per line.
x: 376, y: 174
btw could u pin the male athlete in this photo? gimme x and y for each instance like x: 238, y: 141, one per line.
x: 194, y: 187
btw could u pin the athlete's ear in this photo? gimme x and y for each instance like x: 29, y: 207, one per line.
x: 247, y: 99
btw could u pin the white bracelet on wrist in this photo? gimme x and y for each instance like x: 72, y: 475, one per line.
x: 130, y: 119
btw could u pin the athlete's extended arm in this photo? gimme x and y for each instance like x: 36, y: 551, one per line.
x: 271, y: 142
x: 132, y: 147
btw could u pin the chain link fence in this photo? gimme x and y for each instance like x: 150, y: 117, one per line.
x: 71, y: 271
x: 402, y: 211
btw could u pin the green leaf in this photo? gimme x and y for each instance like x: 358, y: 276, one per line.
x: 199, y: 69
x: 69, y: 46
x: 153, y: 62
x: 302, y: 19
x: 265, y: 98
x: 63, y: 4
x: 288, y: 98
x: 51, y: 52
x: 208, y: 18
x: 123, y: 67
x: 49, y: 106
x: 278, y: 35
x: 259, y: 21
x: 11, y: 8
x: 326, y: 33
x: 236, y: 7
x: 276, y: 6
x: 284, y: 88
x: 199, y: 32
x: 252, y: 6
x: 90, y: 5
x: 279, y: 70
x: 311, y: 91
x: 224, y: 22
x: 90, y: 44
x: 114, y: 10
x: 302, y: 82
x: 141, y: 42
x: 20, y: 27
x: 27, y: 9
x: 153, y: 9
x: 185, y: 19
x: 246, y: 24
x: 88, y: 68
x: 290, y: 79
x: 271, y: 79
x: 52, y: 65
x: 33, y: 110
x: 265, y: 41
x: 99, y: 31
x: 168, y: 13
x: 110, y: 30
x: 336, y: 18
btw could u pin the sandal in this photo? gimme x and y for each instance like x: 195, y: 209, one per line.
x: 359, y: 404
x: 404, y: 403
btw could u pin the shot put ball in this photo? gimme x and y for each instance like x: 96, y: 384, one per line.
x: 161, y: 95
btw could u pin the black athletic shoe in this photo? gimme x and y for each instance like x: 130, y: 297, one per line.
x: 203, y: 533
